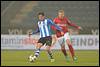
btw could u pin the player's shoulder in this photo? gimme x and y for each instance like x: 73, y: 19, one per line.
x: 55, y: 19
x: 48, y: 19
x: 38, y: 22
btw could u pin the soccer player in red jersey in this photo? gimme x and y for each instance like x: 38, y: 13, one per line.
x: 63, y: 23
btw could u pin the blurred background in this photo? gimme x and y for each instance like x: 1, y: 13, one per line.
x: 20, y: 17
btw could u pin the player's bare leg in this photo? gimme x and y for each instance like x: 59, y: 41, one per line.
x: 71, y: 50
x: 64, y: 52
x: 50, y: 53
x: 54, y: 39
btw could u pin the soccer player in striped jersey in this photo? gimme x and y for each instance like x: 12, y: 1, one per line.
x: 63, y: 23
x: 44, y: 27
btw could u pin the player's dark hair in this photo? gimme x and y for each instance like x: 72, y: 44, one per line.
x: 41, y: 13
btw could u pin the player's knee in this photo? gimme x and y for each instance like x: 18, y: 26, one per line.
x: 48, y: 48
x: 68, y: 42
x: 38, y: 45
x: 62, y: 48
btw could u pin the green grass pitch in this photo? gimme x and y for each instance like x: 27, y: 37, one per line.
x: 20, y: 58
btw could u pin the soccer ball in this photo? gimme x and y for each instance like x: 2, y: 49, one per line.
x: 32, y: 58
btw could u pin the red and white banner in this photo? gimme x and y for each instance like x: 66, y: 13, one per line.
x: 80, y: 42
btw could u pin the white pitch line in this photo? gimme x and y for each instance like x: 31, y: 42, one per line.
x: 3, y: 12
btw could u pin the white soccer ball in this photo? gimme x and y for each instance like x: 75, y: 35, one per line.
x: 32, y: 58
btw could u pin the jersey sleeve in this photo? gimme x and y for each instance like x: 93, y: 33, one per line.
x: 36, y: 31
x: 55, y: 26
x: 70, y: 23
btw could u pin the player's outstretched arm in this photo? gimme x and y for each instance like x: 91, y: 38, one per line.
x: 37, y: 30
x: 56, y: 26
x: 74, y: 25
x: 34, y: 32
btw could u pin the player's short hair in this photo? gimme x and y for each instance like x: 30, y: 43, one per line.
x: 61, y: 11
x: 41, y: 13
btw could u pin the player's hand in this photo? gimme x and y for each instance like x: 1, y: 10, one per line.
x: 30, y: 34
x: 80, y: 28
x: 62, y: 33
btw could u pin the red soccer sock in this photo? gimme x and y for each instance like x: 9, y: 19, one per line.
x: 71, y: 50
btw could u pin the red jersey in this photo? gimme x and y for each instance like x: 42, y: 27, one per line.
x: 63, y: 24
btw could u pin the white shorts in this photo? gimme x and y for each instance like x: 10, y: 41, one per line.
x: 62, y: 40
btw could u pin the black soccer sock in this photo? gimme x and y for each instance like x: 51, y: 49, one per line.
x: 50, y: 54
